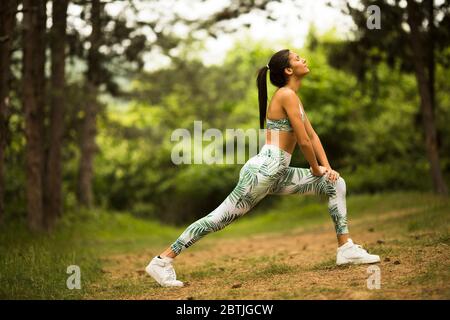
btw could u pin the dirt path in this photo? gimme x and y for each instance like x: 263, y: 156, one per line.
x: 295, y: 265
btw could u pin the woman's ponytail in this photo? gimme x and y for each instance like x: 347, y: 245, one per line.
x: 261, y: 83
x: 278, y: 62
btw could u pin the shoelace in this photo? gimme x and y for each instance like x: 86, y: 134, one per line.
x: 360, y: 248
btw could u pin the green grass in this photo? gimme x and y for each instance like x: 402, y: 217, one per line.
x: 328, y: 264
x: 437, y: 273
x: 34, y: 266
x: 274, y: 269
x: 207, y: 270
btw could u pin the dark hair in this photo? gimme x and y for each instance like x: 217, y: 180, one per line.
x: 276, y: 65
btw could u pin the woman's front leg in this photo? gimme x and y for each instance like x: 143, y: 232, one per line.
x: 302, y: 181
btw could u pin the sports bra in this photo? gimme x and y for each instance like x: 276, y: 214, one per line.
x: 283, y: 124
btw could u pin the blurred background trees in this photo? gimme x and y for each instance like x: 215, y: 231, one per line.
x: 83, y: 124
x: 414, y: 36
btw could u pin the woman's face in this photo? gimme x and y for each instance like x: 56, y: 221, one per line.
x: 298, y: 65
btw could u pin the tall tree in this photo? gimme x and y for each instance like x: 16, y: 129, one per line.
x: 89, y: 127
x: 424, y: 64
x: 33, y: 79
x: 53, y: 199
x: 411, y: 35
x: 7, y: 23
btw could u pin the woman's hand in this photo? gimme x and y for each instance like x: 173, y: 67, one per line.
x: 329, y: 173
x: 332, y: 175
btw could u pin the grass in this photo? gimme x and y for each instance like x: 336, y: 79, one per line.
x: 34, y: 266
x: 274, y: 269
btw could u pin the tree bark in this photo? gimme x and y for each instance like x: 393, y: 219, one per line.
x: 431, y: 58
x: 53, y: 199
x: 34, y: 20
x: 88, y: 146
x: 7, y: 23
x: 426, y: 99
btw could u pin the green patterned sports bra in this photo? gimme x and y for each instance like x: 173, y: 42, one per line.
x: 283, y: 124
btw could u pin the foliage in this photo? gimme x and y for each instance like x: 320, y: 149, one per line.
x: 371, y: 134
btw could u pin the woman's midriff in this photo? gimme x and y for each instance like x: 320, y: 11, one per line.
x: 283, y: 139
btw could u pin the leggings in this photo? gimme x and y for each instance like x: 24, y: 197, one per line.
x: 267, y: 172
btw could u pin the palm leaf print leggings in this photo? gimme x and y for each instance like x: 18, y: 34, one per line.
x: 267, y: 172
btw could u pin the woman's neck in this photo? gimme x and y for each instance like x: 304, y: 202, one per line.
x: 294, y: 83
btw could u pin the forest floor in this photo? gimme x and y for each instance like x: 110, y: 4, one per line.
x: 283, y: 251
x: 299, y: 263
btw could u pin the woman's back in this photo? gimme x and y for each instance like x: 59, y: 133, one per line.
x: 279, y: 132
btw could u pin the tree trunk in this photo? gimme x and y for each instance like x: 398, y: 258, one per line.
x: 53, y: 199
x: 33, y: 104
x: 89, y: 126
x: 431, y: 59
x: 7, y: 23
x: 426, y: 99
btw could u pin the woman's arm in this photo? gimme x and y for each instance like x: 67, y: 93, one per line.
x: 290, y: 104
x: 320, y: 152
x: 316, y: 143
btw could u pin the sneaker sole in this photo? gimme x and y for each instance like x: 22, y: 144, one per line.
x: 359, y: 262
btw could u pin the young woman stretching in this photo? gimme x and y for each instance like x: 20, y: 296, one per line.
x: 269, y: 172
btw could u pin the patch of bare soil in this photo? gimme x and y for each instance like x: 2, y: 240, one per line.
x: 298, y: 265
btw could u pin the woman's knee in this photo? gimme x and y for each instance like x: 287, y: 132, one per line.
x: 336, y: 188
x: 341, y: 187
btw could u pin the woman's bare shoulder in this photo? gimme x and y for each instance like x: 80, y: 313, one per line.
x: 283, y: 94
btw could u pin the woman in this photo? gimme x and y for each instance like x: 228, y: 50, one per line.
x: 268, y: 172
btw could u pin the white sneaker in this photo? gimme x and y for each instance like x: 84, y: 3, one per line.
x: 354, y: 253
x: 163, y: 272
